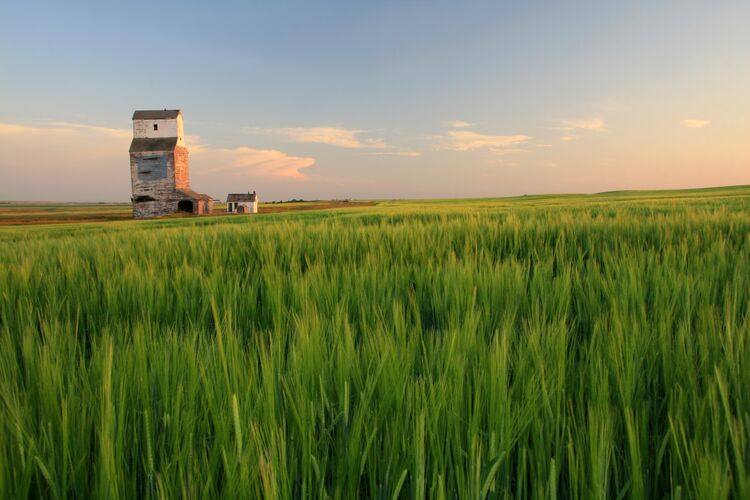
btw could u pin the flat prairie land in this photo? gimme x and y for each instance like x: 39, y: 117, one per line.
x: 20, y: 213
x: 577, y: 346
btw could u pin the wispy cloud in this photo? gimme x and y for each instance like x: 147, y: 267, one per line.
x: 459, y: 124
x: 410, y: 154
x: 500, y: 162
x: 333, y: 136
x: 591, y: 124
x: 693, y: 123
x: 468, y: 140
x: 56, y: 129
x: 84, y: 128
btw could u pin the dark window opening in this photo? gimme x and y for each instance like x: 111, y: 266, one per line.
x: 142, y: 198
x: 156, y: 127
x: 185, y: 206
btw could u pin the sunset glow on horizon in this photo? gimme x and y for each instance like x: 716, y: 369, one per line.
x: 408, y: 99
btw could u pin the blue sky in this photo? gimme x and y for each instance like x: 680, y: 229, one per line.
x: 379, y: 99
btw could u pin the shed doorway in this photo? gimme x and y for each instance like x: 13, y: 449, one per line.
x: 185, y: 206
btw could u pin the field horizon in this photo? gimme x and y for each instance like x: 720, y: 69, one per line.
x: 582, y: 193
x: 52, y: 212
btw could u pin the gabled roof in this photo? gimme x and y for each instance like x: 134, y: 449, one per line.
x: 189, y: 193
x: 142, y: 145
x: 157, y: 114
x: 242, y: 197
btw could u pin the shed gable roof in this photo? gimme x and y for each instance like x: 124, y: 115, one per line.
x: 156, y: 114
x: 242, y: 197
x: 189, y: 193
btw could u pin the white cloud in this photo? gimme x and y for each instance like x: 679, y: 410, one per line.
x: 591, y: 124
x: 333, y: 136
x: 459, y: 124
x: 467, y: 140
x: 693, y: 123
x: 569, y: 138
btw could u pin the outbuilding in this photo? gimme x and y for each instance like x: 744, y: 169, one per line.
x: 242, y: 203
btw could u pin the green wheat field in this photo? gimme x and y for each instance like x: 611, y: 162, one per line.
x: 533, y: 347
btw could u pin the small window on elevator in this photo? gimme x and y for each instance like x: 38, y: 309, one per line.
x: 156, y: 127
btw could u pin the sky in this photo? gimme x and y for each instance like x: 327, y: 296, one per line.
x: 378, y: 99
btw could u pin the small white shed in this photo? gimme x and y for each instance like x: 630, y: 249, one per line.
x: 242, y: 203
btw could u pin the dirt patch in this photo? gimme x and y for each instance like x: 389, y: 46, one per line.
x: 24, y: 220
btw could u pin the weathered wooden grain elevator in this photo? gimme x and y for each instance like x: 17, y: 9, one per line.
x: 159, y: 167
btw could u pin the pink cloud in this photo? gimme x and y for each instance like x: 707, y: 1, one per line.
x: 245, y: 161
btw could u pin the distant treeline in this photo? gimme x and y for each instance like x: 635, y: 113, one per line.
x: 300, y: 200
